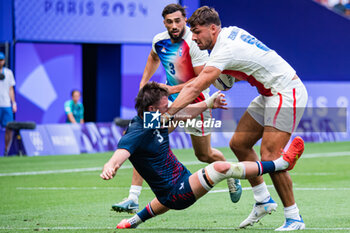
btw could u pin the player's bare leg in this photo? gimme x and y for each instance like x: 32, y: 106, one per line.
x: 272, y: 140
x: 131, y: 203
x: 203, y: 150
x: 206, y: 153
x: 248, y: 132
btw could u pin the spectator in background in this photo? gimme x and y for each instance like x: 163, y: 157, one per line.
x: 74, y: 109
x: 339, y: 8
x: 347, y: 9
x: 8, y: 104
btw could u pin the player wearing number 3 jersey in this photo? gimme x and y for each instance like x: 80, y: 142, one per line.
x: 272, y: 116
x: 173, y: 185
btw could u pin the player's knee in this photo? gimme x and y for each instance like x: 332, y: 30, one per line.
x: 221, y: 167
x: 267, y: 155
x: 236, y: 144
x: 216, y: 172
x: 203, y: 157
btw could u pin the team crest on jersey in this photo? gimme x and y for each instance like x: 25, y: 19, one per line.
x: 163, y: 50
x: 180, y: 52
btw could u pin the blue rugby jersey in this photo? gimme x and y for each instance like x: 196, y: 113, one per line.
x: 152, y: 157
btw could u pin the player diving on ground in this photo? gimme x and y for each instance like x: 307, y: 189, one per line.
x: 173, y: 185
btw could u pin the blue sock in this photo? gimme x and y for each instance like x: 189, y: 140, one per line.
x: 265, y: 167
x: 146, y: 213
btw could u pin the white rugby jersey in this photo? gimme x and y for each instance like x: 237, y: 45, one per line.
x: 178, y: 59
x: 241, y: 55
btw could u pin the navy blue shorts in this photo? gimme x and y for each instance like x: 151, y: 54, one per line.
x: 180, y: 197
x: 6, y: 115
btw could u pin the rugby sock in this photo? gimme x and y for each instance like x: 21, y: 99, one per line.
x: 292, y: 212
x: 261, y: 194
x: 280, y: 164
x: 146, y: 213
x: 134, y: 193
x: 135, y: 220
x: 265, y: 167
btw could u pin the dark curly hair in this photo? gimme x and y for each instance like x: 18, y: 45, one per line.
x: 150, y: 94
x: 171, y: 8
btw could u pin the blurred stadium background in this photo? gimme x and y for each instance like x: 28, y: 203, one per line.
x: 100, y: 47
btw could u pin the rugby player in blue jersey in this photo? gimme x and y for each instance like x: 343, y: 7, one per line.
x: 182, y: 60
x: 174, y: 186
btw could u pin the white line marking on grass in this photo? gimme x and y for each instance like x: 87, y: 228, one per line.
x: 296, y: 188
x: 76, y: 188
x: 326, y: 154
x: 91, y: 169
x: 313, y: 173
x: 314, y: 155
x: 164, y: 228
x: 147, y: 188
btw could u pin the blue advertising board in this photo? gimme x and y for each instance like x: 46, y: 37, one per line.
x: 37, y: 142
x: 92, y: 21
x: 62, y: 139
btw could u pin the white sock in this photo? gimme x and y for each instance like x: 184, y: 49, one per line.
x: 134, y: 193
x: 261, y: 194
x: 280, y: 164
x: 292, y: 212
x: 135, y: 220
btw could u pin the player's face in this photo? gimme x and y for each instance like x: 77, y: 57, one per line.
x: 162, y: 106
x: 175, y: 24
x: 76, y: 96
x: 203, y: 36
x: 2, y: 63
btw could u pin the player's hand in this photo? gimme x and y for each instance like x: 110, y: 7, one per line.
x: 169, y: 88
x: 108, y: 171
x: 220, y: 101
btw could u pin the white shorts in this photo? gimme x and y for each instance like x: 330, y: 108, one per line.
x: 282, y: 111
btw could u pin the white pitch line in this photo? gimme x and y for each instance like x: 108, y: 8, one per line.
x: 314, y: 155
x: 296, y: 188
x: 326, y: 154
x: 147, y: 188
x: 165, y: 228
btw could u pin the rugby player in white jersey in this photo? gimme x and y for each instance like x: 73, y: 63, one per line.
x: 182, y: 60
x: 272, y: 116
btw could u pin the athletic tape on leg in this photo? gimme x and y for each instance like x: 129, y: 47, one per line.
x: 202, y: 179
x: 237, y: 170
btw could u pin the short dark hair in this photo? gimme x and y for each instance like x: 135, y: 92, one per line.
x: 204, y: 16
x: 75, y: 90
x: 171, y: 8
x: 150, y: 94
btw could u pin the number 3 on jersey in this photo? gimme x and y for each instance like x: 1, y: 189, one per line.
x: 159, y: 136
x: 172, y: 68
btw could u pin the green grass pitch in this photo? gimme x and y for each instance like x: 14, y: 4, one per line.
x: 66, y: 194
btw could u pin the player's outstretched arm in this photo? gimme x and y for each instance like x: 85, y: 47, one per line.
x: 194, y: 88
x: 111, y: 167
x: 216, y: 100
x: 152, y: 64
